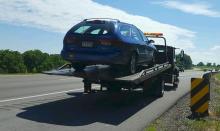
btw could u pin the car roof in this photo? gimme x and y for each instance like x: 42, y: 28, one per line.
x: 101, y: 19
x: 109, y: 20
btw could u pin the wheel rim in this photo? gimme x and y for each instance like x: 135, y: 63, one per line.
x: 133, y: 64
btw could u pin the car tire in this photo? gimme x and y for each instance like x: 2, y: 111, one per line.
x: 78, y: 67
x: 152, y: 62
x: 132, y: 65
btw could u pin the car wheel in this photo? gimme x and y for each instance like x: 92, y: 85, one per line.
x: 78, y: 67
x: 132, y: 64
x: 152, y: 62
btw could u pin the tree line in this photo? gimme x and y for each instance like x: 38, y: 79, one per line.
x: 32, y: 61
x: 35, y: 61
x: 208, y: 64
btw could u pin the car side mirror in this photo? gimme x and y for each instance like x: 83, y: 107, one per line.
x: 151, y: 41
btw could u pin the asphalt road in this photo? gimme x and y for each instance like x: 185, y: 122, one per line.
x: 56, y: 103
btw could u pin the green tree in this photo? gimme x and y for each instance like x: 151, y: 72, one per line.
x: 52, y: 62
x: 200, y: 64
x: 11, y: 62
x: 209, y: 64
x: 187, y: 61
x: 34, y: 59
x: 214, y: 64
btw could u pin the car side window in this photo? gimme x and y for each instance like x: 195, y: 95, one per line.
x: 95, y: 32
x: 143, y: 36
x: 125, y: 30
x: 135, y: 34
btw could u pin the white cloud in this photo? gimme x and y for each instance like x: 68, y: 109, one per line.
x: 215, y: 48
x: 57, y: 15
x: 205, y: 55
x: 192, y: 8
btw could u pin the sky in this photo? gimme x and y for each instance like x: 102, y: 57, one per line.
x: 192, y: 25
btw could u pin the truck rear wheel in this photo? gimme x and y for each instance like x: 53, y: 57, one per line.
x: 87, y: 86
x: 159, y: 85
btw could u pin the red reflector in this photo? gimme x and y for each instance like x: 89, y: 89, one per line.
x: 103, y: 42
x: 70, y: 40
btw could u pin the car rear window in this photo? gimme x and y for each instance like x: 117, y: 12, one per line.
x: 92, y: 29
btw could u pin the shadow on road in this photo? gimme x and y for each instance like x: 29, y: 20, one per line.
x: 86, y: 109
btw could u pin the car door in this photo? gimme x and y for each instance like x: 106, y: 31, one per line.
x: 148, y: 46
x: 140, y: 44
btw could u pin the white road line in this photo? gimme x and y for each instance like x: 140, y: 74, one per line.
x: 40, y: 95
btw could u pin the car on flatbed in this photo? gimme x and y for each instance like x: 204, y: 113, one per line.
x: 108, y: 42
x: 152, y: 80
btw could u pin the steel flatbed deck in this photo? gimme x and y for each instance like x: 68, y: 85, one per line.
x: 108, y: 77
x: 104, y: 72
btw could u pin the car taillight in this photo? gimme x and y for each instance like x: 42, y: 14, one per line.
x: 70, y: 40
x: 107, y: 43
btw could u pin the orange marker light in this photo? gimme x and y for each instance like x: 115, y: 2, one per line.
x: 153, y: 34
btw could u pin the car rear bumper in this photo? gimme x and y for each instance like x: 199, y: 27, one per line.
x: 116, y: 58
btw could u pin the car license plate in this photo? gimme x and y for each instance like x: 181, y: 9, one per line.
x: 87, y: 44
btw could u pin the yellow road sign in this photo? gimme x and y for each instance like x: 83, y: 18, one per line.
x: 199, y: 96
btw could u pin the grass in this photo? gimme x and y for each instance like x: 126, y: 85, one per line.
x: 217, y: 98
x: 217, y: 90
x: 151, y: 127
x: 206, y: 68
x: 218, y: 76
x: 202, y: 125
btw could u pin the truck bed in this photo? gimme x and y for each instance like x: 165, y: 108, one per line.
x: 105, y: 73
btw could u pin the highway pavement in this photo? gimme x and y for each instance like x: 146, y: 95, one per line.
x: 57, y: 103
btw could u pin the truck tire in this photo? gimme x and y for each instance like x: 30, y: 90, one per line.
x: 87, y: 86
x: 159, y: 85
x: 176, y: 82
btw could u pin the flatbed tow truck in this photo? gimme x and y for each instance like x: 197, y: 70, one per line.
x: 151, y: 80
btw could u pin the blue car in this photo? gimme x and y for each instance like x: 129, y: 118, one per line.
x: 108, y: 42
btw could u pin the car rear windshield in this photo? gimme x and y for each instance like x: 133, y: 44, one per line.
x: 92, y: 29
